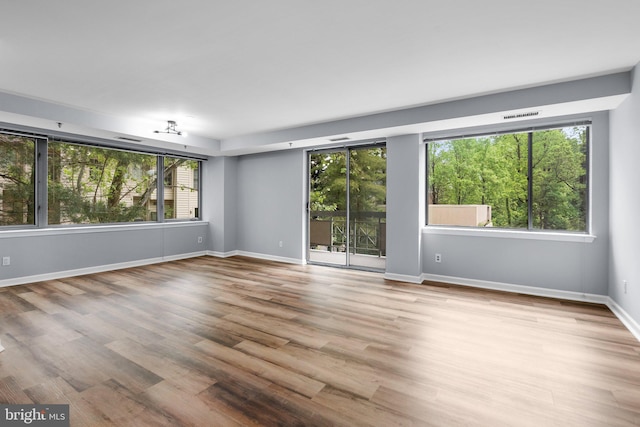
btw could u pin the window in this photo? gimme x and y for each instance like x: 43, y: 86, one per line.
x: 168, y: 178
x: 534, y: 180
x: 17, y: 180
x: 51, y: 182
x: 95, y: 185
x: 181, y: 192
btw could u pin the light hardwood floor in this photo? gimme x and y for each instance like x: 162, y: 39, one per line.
x: 229, y: 342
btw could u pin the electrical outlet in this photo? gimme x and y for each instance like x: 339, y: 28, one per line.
x: 199, y: 239
x: 280, y: 243
x: 438, y: 258
x: 6, y: 260
x: 624, y: 282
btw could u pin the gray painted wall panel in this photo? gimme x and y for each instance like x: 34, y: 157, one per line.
x: 184, y: 240
x: 213, y: 201
x: 47, y: 254
x: 271, y: 193
x: 625, y: 203
x: 538, y: 263
x: 405, y: 204
x: 230, y: 204
x: 219, y: 203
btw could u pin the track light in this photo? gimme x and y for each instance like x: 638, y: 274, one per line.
x: 171, y: 129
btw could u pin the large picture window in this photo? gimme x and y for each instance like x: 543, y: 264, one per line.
x: 534, y: 180
x: 17, y: 180
x: 89, y: 185
x: 50, y: 182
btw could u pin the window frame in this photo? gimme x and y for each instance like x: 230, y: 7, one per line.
x: 530, y: 231
x: 41, y: 179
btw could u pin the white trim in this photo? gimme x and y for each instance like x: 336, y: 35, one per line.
x: 222, y: 254
x: 625, y: 318
x: 403, y: 278
x: 96, y: 269
x: 520, y: 289
x: 271, y: 257
x: 509, y: 234
x: 106, y: 228
x: 183, y: 256
x: 257, y: 256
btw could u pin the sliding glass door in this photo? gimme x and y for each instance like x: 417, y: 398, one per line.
x: 328, y: 208
x: 367, y: 207
x: 347, y: 207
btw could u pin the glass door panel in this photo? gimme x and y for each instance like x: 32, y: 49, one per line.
x: 328, y: 208
x: 367, y: 207
x: 348, y: 183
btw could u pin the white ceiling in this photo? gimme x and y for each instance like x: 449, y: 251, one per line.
x: 227, y: 68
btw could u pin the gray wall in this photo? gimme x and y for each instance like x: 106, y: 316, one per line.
x: 566, y: 266
x: 53, y: 251
x: 270, y: 204
x: 220, y: 203
x: 405, y: 204
x: 624, y: 205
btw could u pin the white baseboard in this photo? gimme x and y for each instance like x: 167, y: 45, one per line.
x: 520, y: 289
x: 96, y: 269
x: 222, y: 254
x: 271, y: 257
x: 624, y: 317
x: 184, y: 256
x: 257, y: 256
x: 403, y: 278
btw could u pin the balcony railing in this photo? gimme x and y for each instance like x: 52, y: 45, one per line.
x: 367, y: 232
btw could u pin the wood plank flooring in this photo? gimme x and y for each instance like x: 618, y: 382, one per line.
x: 242, y: 342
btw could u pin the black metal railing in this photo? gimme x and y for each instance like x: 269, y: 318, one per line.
x: 367, y: 232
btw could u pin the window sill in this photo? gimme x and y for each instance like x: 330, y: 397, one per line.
x: 80, y: 229
x: 510, y: 234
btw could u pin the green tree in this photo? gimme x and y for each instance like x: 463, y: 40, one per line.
x: 96, y: 185
x: 494, y: 171
x: 328, y: 180
x: 509, y: 205
x: 559, y: 179
x: 368, y: 179
x: 17, y: 180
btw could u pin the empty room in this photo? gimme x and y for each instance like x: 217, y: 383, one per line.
x: 408, y: 213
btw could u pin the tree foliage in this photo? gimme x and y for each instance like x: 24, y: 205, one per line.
x: 493, y: 171
x: 88, y: 184
x: 367, y: 180
x: 97, y: 185
x: 17, y: 180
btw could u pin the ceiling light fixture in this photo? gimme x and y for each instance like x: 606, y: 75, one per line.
x: 171, y: 129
